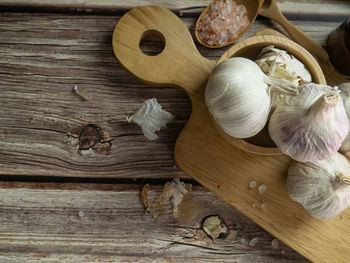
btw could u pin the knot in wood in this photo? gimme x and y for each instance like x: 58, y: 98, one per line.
x: 88, y: 137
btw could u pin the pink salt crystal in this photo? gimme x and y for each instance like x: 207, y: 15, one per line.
x: 223, y: 23
x: 252, y: 184
x: 262, y: 188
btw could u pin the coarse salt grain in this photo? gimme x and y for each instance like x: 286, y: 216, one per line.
x: 262, y: 188
x: 244, y: 241
x: 253, y: 242
x: 274, y: 243
x: 263, y: 207
x: 223, y: 23
x: 252, y: 184
x: 81, y: 213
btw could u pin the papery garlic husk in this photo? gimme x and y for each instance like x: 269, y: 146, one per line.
x: 151, y: 118
x: 345, y: 94
x: 278, y: 63
x: 321, y: 187
x: 310, y: 126
x: 238, y: 96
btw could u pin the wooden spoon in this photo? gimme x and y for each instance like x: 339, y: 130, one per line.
x: 270, y: 9
x: 252, y: 6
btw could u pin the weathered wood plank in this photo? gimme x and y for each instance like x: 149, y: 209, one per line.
x: 42, y: 56
x: 338, y: 7
x: 49, y: 222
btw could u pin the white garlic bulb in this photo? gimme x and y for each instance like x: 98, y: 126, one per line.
x: 310, y: 126
x: 322, y: 187
x: 278, y: 63
x: 345, y: 94
x: 238, y: 96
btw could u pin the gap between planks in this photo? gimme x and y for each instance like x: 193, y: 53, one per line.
x: 332, y: 9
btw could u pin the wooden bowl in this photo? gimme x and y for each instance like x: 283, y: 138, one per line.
x: 250, y: 48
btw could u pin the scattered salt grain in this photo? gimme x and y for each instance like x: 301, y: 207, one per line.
x: 263, y: 207
x: 253, y: 242
x: 244, y: 241
x: 274, y: 243
x: 262, y: 188
x: 223, y: 23
x: 283, y: 252
x: 253, y: 205
x: 252, y: 184
x: 81, y: 213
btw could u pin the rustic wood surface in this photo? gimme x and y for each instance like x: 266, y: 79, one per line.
x: 315, y: 7
x: 57, y: 222
x: 42, y: 56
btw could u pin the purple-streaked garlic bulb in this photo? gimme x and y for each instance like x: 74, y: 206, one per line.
x: 345, y: 94
x: 321, y: 187
x: 310, y: 126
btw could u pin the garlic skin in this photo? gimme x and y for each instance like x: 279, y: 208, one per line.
x: 151, y: 117
x: 310, y: 126
x: 345, y: 94
x: 321, y: 187
x: 238, y: 97
x: 278, y: 63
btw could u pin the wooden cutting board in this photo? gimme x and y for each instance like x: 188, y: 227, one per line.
x: 207, y: 157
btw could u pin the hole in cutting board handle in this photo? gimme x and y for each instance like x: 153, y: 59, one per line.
x: 152, y: 42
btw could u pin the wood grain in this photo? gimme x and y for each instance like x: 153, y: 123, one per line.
x: 292, y: 7
x: 49, y: 222
x: 207, y: 157
x: 43, y: 56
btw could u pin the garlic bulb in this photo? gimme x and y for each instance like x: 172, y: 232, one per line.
x: 151, y: 117
x: 278, y: 63
x: 322, y: 187
x: 310, y: 126
x: 238, y: 96
x: 345, y: 94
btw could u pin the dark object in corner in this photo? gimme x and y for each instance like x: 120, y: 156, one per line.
x: 338, y: 47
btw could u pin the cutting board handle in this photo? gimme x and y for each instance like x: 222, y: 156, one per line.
x: 178, y: 62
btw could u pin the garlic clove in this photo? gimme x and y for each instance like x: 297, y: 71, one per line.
x: 320, y: 186
x: 310, y: 126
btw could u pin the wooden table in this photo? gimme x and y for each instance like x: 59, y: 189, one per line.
x: 59, y: 204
